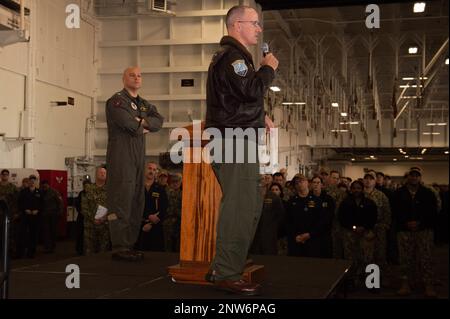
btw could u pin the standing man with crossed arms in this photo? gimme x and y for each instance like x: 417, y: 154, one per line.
x: 129, y: 118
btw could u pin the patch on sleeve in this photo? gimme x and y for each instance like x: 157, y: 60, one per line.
x: 240, y: 68
x: 117, y: 101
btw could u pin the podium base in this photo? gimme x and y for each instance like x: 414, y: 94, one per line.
x: 194, y: 273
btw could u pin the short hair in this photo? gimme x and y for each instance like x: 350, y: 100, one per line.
x: 277, y: 174
x: 4, y: 171
x: 331, y: 172
x: 342, y: 185
x: 349, y: 179
x: 317, y: 176
x: 235, y: 11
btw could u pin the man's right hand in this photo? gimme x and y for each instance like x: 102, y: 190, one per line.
x: 147, y: 227
x: 270, y: 60
x: 153, y: 218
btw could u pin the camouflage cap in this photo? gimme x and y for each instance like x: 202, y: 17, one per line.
x: 163, y: 173
x: 415, y: 170
x: 370, y: 174
x: 176, y: 177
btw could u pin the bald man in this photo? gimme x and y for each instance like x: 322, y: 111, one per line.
x: 129, y: 118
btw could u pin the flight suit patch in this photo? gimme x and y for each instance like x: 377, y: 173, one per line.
x: 154, y: 194
x: 117, y: 102
x: 240, y: 68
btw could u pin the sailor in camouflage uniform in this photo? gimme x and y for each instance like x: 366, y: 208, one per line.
x: 415, y: 212
x: 172, y: 223
x: 96, y: 231
x: 383, y: 221
x: 357, y: 215
x: 336, y: 232
x: 9, y: 193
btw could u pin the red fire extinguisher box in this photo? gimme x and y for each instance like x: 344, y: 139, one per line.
x: 58, y: 181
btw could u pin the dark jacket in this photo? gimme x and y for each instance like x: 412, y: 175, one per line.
x: 351, y: 214
x: 313, y: 215
x: 423, y: 208
x: 235, y: 90
x: 31, y: 200
x: 156, y: 202
x: 265, y: 241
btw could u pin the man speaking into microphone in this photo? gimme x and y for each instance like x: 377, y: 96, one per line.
x: 235, y: 99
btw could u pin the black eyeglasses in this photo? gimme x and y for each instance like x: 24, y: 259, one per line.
x: 255, y: 23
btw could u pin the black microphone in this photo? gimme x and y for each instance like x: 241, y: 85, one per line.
x: 265, y: 49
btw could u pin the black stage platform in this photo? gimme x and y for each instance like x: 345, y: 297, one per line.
x: 101, y: 277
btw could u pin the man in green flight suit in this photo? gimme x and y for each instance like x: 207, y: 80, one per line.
x: 129, y: 117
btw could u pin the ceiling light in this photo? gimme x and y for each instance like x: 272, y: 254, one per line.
x: 287, y: 103
x: 409, y: 86
x: 334, y: 104
x: 437, y: 124
x: 446, y: 61
x: 371, y: 156
x: 339, y: 131
x: 419, y: 7
x: 275, y: 88
x: 353, y: 160
x: 410, y: 97
x: 300, y: 103
x: 406, y: 156
x: 446, y: 152
x: 395, y: 160
x: 344, y: 114
x: 423, y: 151
x: 413, y: 50
x: 412, y: 78
x: 408, y: 130
x: 431, y: 133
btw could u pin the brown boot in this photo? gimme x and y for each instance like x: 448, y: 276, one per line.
x: 240, y: 287
x: 430, y: 292
x: 404, y: 290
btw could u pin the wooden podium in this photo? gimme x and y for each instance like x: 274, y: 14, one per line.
x: 200, y: 212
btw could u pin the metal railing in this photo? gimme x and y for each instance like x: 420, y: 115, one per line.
x: 4, y: 274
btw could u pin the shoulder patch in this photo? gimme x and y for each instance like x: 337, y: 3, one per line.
x: 240, y: 68
x: 116, y: 101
